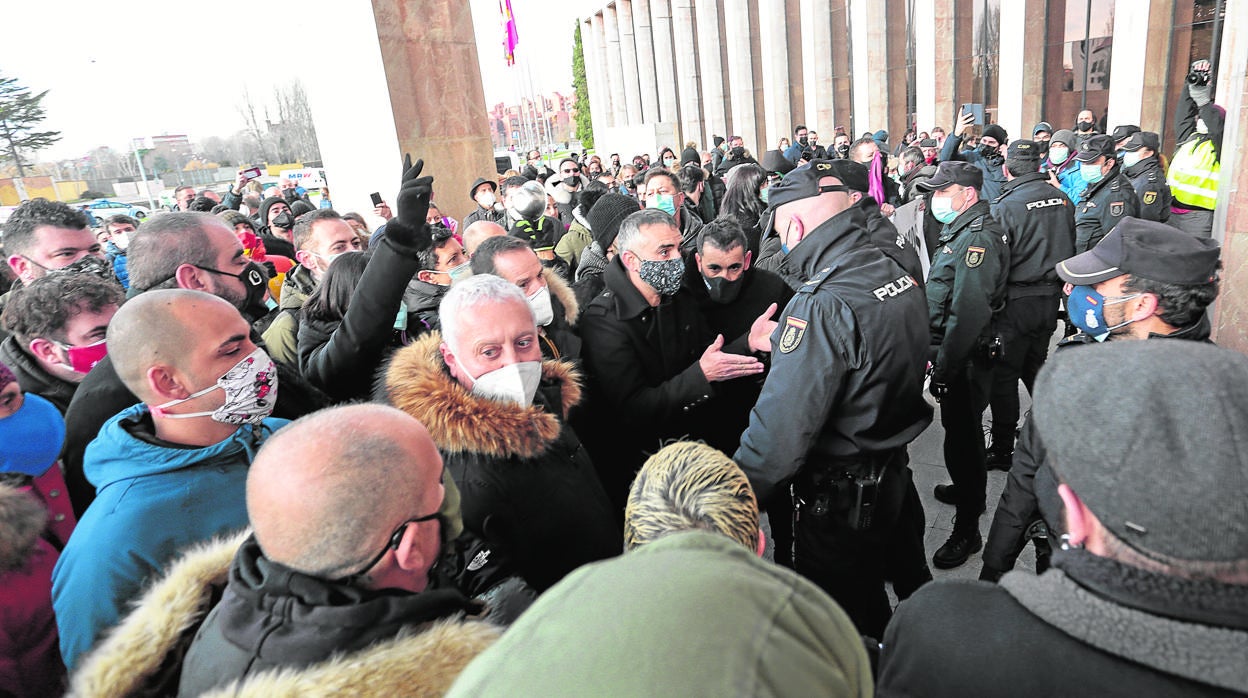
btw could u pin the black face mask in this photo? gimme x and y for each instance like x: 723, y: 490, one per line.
x: 291, y: 195
x: 842, y: 151
x: 87, y: 265
x: 723, y: 291
x: 990, y: 152
x: 283, y: 220
x: 256, y: 283
x: 1084, y: 126
x: 1044, y: 148
x: 738, y: 152
x: 803, y: 140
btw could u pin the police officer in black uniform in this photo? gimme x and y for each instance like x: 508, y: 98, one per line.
x: 965, y: 287
x: 1040, y: 223
x: 826, y: 446
x: 1142, y: 166
x: 1109, y: 196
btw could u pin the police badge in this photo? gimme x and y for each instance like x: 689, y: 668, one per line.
x: 974, y: 256
x: 1115, y: 209
x: 794, y: 330
x: 1149, y: 197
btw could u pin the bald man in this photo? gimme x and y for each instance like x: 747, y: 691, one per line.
x: 346, y: 504
x: 479, y: 232
x: 169, y: 471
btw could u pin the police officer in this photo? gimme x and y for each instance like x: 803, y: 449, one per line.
x: 1109, y: 195
x: 1141, y: 165
x: 826, y: 446
x: 965, y: 286
x: 1040, y: 223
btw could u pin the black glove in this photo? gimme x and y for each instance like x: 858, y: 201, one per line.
x: 408, y: 229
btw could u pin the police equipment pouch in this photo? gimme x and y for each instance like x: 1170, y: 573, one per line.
x: 849, y: 496
x: 866, y: 495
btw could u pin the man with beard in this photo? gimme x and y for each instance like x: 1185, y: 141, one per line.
x: 987, y: 156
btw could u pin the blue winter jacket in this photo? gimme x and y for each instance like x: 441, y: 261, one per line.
x: 151, y: 503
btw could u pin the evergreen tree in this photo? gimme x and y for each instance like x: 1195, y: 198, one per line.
x: 20, y: 113
x: 584, y: 125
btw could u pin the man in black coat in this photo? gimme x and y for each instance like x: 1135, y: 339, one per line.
x: 653, y: 361
x: 550, y: 298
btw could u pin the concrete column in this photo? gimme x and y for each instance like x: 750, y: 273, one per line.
x: 741, y: 74
x: 645, y: 61
x: 714, y: 105
x: 774, y: 55
x: 1156, y: 114
x: 925, y: 63
x: 943, y: 25
x: 1010, y: 70
x: 600, y: 94
x: 688, y: 78
x: 664, y: 60
x: 1230, y: 220
x: 615, y: 67
x: 1126, y: 70
x: 817, y: 68
x: 436, y: 115
x: 628, y: 61
x: 861, y: 61
x: 1032, y: 78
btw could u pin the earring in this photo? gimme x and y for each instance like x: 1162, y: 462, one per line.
x: 1067, y: 545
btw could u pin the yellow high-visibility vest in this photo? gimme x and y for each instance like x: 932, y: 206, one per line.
x: 1194, y: 174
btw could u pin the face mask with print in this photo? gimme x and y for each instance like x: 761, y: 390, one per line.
x: 543, y: 311
x: 664, y: 275
x: 83, y: 359
x: 664, y: 202
x: 1086, y: 308
x: 513, y: 383
x: 250, y: 393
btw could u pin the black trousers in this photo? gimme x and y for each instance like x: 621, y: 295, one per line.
x: 852, y: 565
x: 962, y: 416
x: 1026, y: 326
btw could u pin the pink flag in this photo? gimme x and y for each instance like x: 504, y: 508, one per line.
x: 509, y: 25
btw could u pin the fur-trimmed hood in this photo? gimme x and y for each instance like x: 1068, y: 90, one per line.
x: 22, y: 519
x: 137, y: 653
x: 564, y: 293
x: 418, y: 383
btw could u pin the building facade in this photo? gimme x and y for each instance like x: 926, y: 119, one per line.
x: 676, y: 71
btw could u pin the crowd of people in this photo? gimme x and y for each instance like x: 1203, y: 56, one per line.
x: 636, y: 428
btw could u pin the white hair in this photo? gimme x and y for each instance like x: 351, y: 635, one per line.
x: 476, y: 290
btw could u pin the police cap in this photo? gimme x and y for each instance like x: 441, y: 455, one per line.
x: 1147, y: 249
x: 1125, y: 131
x: 952, y: 172
x: 1097, y: 146
x: 1143, y: 139
x: 803, y: 182
x: 1023, y: 150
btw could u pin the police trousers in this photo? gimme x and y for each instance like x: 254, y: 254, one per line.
x: 1026, y: 327
x: 962, y: 416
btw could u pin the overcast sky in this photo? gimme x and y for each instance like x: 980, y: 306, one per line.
x: 126, y: 68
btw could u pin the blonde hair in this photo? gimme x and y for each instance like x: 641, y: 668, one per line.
x: 690, y: 486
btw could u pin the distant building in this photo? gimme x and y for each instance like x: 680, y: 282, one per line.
x: 532, y: 122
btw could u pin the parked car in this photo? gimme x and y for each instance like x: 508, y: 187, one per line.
x: 102, y: 209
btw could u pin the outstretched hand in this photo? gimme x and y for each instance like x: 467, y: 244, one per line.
x: 719, y: 366
x: 761, y: 330
x: 412, y: 203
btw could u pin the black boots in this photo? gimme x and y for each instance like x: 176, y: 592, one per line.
x: 963, y: 542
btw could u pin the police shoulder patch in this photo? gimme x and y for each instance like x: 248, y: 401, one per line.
x: 794, y: 330
x: 1115, y: 209
x: 975, y: 256
x: 1149, y: 197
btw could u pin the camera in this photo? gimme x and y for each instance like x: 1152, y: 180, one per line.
x: 1199, y: 78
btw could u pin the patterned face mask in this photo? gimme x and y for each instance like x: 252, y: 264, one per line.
x: 663, y: 276
x: 250, y: 393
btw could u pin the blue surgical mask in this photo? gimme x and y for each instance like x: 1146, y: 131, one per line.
x: 764, y: 194
x: 942, y: 209
x: 1131, y: 158
x: 1058, y: 155
x: 1086, y: 309
x: 664, y: 202
x: 1091, y: 172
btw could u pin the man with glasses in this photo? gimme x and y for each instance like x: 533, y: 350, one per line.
x: 347, y: 531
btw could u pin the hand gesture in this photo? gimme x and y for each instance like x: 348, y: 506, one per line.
x: 964, y: 122
x: 760, y: 331
x: 718, y: 366
x: 887, y: 210
x: 412, y: 203
x: 383, y: 209
x: 240, y: 181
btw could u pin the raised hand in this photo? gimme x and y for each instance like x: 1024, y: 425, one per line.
x: 718, y: 366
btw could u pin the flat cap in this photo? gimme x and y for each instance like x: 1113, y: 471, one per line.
x: 1147, y: 249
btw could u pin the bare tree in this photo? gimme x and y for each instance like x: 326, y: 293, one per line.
x: 247, y: 109
x: 296, y: 129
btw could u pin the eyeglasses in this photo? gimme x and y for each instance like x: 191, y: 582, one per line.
x: 573, y: 171
x: 392, y: 544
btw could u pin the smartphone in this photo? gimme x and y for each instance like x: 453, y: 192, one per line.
x: 975, y: 109
x: 376, y: 197
x: 251, y: 172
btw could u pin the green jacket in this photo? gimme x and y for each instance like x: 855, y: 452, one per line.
x: 281, y: 340
x: 965, y: 286
x: 693, y: 614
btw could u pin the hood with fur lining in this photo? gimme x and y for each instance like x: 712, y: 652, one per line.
x: 418, y: 383
x: 564, y: 293
x: 147, y: 647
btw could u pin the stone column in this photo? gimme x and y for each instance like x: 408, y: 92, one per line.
x: 1156, y: 114
x: 436, y: 115
x: 741, y: 74
x: 1230, y: 220
x: 1010, y: 69
x: 817, y: 68
x: 1126, y: 70
x: 860, y: 59
x: 645, y: 61
x: 664, y: 60
x: 628, y: 61
x: 1032, y: 78
x: 600, y: 94
x: 714, y: 104
x: 774, y: 55
x: 944, y: 24
x: 688, y: 78
x: 615, y: 67
x: 925, y: 64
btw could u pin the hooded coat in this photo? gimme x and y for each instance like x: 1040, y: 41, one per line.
x: 153, y: 499
x: 559, y: 338
x: 691, y: 614
x: 144, y: 653
x: 30, y: 665
x: 526, y: 484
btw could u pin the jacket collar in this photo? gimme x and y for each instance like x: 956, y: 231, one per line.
x: 963, y: 220
x: 32, y: 376
x: 563, y: 296
x: 831, y: 238
x: 417, y: 382
x: 1021, y: 180
x: 1142, y: 167
x: 298, y: 286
